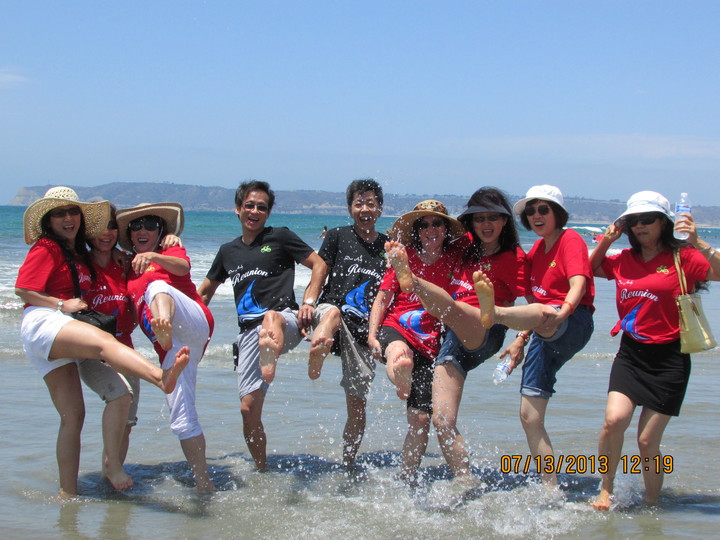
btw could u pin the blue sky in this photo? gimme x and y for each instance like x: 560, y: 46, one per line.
x: 601, y: 98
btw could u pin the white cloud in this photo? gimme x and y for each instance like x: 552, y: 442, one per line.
x: 9, y: 79
x: 593, y: 147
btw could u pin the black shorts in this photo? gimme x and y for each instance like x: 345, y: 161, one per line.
x: 652, y: 375
x: 422, y: 373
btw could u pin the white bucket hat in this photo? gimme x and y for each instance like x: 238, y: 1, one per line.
x: 647, y: 201
x: 171, y: 213
x: 544, y: 192
x: 96, y: 215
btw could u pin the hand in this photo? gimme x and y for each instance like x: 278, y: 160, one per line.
x: 74, y: 304
x: 375, y: 348
x: 516, y: 352
x: 305, y: 317
x: 141, y: 261
x: 170, y: 240
x: 684, y: 222
x: 613, y: 232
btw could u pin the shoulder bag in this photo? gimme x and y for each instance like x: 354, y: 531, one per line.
x: 695, y: 332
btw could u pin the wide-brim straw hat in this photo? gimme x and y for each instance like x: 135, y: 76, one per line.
x: 647, y: 201
x: 544, y: 192
x: 171, y: 213
x: 402, y: 228
x: 96, y: 215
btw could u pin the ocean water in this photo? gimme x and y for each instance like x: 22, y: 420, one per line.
x: 306, y: 492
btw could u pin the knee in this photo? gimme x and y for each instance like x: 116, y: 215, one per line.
x: 531, y: 420
x: 615, y: 424
x: 648, y: 446
x: 443, y: 422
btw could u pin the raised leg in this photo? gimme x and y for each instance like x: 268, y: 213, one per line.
x: 271, y: 342
x: 162, y: 308
x: 322, y: 341
x: 399, y: 367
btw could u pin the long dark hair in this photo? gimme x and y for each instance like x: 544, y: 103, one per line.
x: 509, y: 240
x: 80, y: 249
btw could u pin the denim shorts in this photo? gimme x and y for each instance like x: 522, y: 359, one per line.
x: 545, y: 356
x: 453, y: 351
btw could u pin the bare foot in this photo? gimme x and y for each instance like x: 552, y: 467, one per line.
x: 162, y: 328
x: 117, y: 476
x: 602, y: 501
x: 268, y: 344
x: 66, y: 495
x: 399, y: 259
x: 486, y: 296
x: 170, y: 376
x: 203, y: 484
x: 402, y: 370
x: 320, y: 347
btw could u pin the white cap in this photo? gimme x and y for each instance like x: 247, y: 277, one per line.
x: 544, y: 192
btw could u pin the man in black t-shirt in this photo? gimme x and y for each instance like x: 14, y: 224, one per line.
x: 261, y: 267
x: 355, y: 256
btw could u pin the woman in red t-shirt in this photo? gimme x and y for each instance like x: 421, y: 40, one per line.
x: 649, y: 370
x: 170, y: 314
x: 492, y: 246
x: 400, y: 325
x: 560, y: 316
x: 57, y: 225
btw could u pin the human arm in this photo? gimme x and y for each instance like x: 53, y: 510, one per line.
x: 377, y: 315
x: 207, y: 289
x: 43, y: 299
x: 575, y: 293
x: 319, y: 270
x: 597, y: 257
x: 687, y: 224
x: 170, y: 240
x: 174, y: 265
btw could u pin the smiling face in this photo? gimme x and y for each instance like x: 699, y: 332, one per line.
x: 488, y: 226
x: 107, y: 240
x: 541, y: 217
x: 254, y: 211
x: 432, y: 232
x: 65, y: 222
x: 365, y: 211
x: 145, y: 233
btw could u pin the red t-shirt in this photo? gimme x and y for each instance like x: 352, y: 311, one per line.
x: 507, y: 270
x: 550, y: 272
x: 406, y: 313
x: 109, y: 295
x: 46, y: 270
x: 155, y: 272
x: 646, y: 292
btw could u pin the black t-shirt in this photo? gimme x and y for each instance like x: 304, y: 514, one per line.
x: 263, y: 273
x: 355, y: 269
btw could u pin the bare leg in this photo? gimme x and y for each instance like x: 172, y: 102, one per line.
x: 354, y: 428
x: 464, y: 319
x: 447, y: 392
x: 65, y: 390
x: 114, y: 425
x: 526, y: 317
x: 532, y: 415
x: 416, y: 441
x: 399, y: 367
x: 251, y: 408
x: 194, y: 450
x: 618, y: 415
x: 79, y: 340
x: 322, y: 341
x: 162, y: 308
x: 651, y: 427
x: 271, y: 342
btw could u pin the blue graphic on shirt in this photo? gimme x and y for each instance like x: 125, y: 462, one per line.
x: 629, y: 324
x: 248, y: 307
x: 356, y: 303
x: 412, y: 320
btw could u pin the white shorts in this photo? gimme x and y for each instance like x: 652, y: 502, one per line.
x: 191, y: 329
x: 38, y: 330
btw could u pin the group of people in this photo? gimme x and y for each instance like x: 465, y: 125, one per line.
x: 432, y: 300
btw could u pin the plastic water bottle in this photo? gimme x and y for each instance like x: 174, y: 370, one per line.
x: 683, y: 205
x: 502, y: 370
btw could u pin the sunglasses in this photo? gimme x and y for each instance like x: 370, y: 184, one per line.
x: 149, y: 223
x: 252, y: 206
x: 482, y: 219
x: 543, y: 210
x: 646, y: 219
x: 62, y: 212
x: 112, y: 225
x: 436, y: 223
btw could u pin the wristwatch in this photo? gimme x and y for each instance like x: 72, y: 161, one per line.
x: 60, y: 305
x: 309, y: 302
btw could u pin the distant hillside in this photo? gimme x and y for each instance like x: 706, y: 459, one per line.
x: 220, y: 199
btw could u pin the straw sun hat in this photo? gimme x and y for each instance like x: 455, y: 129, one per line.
x: 96, y: 215
x: 171, y: 213
x: 402, y: 228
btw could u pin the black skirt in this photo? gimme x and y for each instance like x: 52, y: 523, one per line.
x: 651, y: 375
